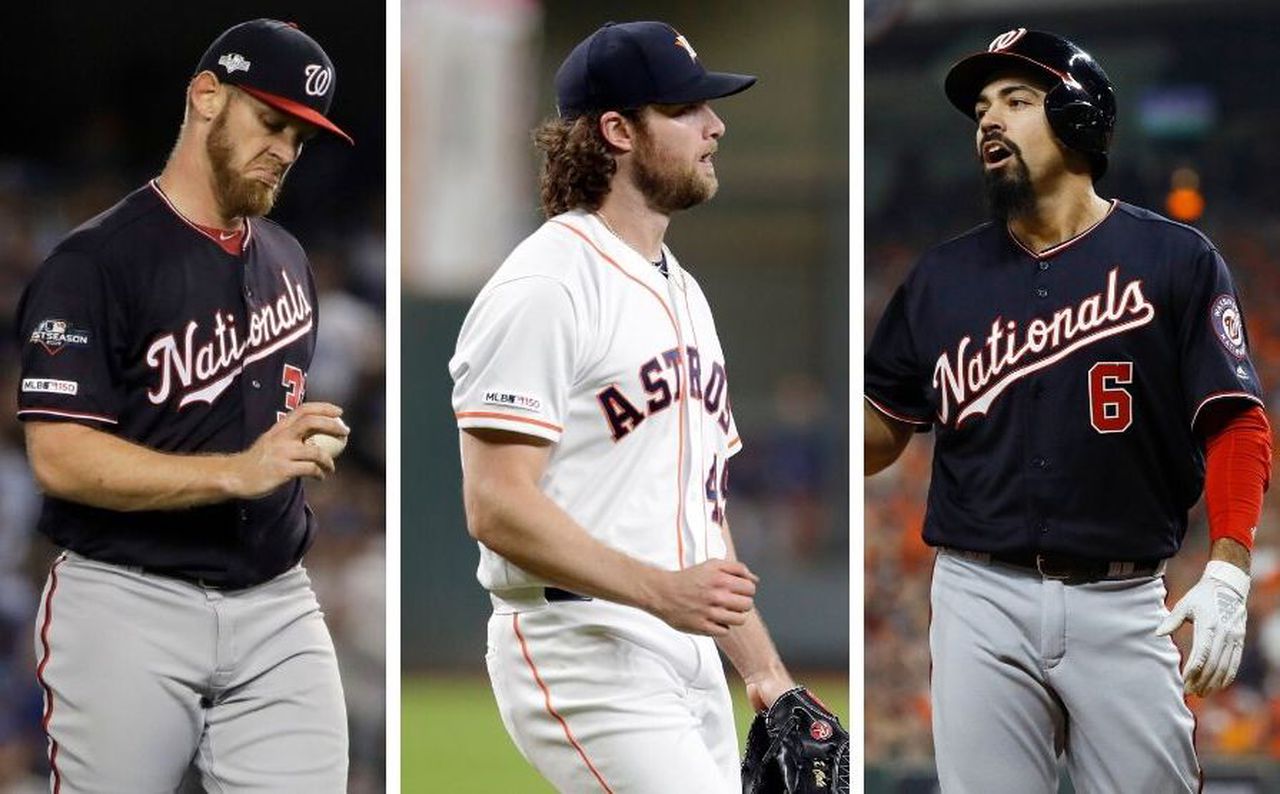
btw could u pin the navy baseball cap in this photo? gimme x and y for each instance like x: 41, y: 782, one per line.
x: 628, y: 65
x: 278, y: 64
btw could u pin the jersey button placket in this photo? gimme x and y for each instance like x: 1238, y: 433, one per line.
x: 246, y: 286
x: 1040, y: 273
x: 248, y: 386
x: 1038, y: 463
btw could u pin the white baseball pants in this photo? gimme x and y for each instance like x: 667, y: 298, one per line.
x: 601, y: 697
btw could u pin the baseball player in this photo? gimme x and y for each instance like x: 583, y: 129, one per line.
x: 592, y: 397
x: 1084, y: 366
x: 165, y: 346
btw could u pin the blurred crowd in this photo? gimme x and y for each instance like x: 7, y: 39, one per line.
x: 1241, y: 723
x: 784, y: 485
x: 38, y: 206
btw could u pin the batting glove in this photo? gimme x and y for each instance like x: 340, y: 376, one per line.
x: 1216, y: 605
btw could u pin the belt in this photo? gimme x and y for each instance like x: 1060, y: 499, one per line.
x: 1066, y: 568
x: 189, y: 579
x: 556, y: 594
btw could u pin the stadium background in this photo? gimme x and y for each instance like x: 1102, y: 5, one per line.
x: 771, y: 252
x: 93, y: 103
x: 1196, y: 115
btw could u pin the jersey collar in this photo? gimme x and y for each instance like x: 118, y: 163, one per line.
x: 627, y: 257
x: 1062, y: 246
x: 248, y: 227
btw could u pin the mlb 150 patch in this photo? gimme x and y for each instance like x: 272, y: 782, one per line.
x: 508, y: 399
x: 50, y: 386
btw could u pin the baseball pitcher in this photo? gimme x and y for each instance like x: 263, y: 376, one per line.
x: 165, y: 346
x: 592, y: 396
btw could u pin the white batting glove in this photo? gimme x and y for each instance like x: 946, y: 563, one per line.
x: 1216, y: 605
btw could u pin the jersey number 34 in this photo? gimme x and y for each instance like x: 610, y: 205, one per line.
x: 294, y: 380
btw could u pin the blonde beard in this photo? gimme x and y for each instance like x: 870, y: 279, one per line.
x: 237, y: 197
x: 666, y: 186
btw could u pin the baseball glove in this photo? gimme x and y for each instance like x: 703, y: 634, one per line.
x: 796, y: 747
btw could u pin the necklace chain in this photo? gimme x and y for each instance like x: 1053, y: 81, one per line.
x: 620, y: 238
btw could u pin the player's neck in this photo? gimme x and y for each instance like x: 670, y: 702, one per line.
x: 1059, y: 217
x: 187, y: 181
x: 626, y: 214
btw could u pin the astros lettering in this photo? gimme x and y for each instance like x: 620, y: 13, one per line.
x: 622, y: 414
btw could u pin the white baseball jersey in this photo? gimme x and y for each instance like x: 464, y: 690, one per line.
x: 580, y: 340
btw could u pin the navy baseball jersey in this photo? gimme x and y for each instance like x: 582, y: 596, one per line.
x: 1063, y: 386
x: 140, y: 324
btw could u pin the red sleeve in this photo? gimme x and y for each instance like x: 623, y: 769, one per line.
x: 1237, y: 472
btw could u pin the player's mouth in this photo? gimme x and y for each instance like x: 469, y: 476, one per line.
x: 267, y: 177
x: 706, y: 158
x: 996, y: 153
x: 266, y: 170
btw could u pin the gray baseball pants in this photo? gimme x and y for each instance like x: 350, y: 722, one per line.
x: 1027, y: 668
x: 144, y: 675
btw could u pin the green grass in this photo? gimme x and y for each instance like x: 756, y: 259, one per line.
x: 451, y: 738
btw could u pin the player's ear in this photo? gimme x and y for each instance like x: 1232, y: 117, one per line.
x: 618, y: 131
x: 206, y: 96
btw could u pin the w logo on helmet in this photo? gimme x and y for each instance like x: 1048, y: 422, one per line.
x: 1005, y: 40
x: 318, y: 79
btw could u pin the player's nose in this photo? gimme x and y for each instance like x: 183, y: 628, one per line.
x: 288, y: 142
x: 715, y: 125
x: 285, y: 148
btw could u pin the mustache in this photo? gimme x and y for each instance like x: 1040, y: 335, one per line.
x: 272, y: 166
x: 995, y: 137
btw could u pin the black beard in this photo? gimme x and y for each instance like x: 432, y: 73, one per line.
x: 1009, y: 193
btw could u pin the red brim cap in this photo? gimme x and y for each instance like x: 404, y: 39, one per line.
x: 297, y: 110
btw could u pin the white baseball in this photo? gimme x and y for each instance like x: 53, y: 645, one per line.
x: 330, y: 444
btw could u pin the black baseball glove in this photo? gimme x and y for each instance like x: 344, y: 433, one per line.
x: 796, y: 747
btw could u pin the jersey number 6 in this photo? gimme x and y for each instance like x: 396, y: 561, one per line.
x: 1110, y: 406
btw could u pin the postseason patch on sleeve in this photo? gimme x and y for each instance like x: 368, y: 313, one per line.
x: 55, y: 334
x: 509, y: 399
x: 1228, y: 325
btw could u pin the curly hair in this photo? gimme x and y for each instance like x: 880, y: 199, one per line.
x: 578, y: 163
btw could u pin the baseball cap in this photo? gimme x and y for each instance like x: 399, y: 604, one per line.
x: 278, y: 64
x: 630, y: 64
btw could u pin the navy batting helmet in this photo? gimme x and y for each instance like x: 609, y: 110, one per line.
x: 1080, y: 105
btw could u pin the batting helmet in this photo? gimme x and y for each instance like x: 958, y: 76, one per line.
x: 1080, y: 105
